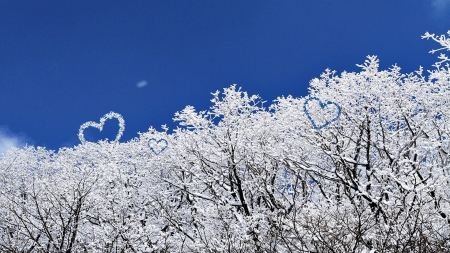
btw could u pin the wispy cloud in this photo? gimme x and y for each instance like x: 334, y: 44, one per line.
x: 440, y: 6
x: 142, y: 83
x: 9, y: 140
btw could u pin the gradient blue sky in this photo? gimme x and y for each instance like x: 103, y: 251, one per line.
x: 63, y: 63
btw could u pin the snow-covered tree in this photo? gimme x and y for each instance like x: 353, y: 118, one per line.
x: 360, y: 164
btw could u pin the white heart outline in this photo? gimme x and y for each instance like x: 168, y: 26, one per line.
x: 99, y: 126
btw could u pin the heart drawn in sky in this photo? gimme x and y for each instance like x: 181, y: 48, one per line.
x: 157, y: 146
x: 99, y: 126
x: 321, y: 114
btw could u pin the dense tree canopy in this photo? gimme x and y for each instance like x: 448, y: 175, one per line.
x: 360, y: 164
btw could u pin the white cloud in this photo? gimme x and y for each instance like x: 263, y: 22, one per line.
x: 9, y: 140
x: 440, y: 6
x: 142, y: 83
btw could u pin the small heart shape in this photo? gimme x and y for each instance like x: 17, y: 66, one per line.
x: 156, y: 145
x: 322, y: 107
x: 99, y: 126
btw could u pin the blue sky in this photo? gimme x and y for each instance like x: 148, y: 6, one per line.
x: 63, y: 63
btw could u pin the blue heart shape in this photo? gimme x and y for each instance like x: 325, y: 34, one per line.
x: 322, y: 105
x: 157, y: 142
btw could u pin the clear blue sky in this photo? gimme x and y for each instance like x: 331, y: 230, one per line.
x: 63, y: 63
